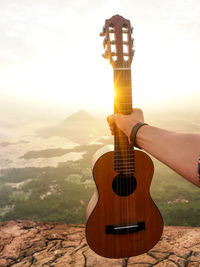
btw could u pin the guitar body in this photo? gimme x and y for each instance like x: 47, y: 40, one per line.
x: 107, y: 209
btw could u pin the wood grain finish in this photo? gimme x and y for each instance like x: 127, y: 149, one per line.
x: 106, y: 208
x: 125, y: 204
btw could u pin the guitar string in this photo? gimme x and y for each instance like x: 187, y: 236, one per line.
x: 131, y: 153
x: 125, y: 162
x: 126, y: 154
x: 116, y: 156
x: 126, y: 219
x: 129, y: 180
x: 127, y: 167
x: 119, y: 152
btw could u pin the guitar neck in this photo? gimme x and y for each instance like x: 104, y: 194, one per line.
x: 123, y: 152
x: 123, y: 91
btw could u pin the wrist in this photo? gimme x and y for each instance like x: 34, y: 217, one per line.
x: 133, y: 135
x: 131, y: 126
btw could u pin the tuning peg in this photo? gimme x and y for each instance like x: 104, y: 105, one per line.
x: 103, y: 33
x: 125, y: 54
x: 111, y: 30
x: 105, y: 55
x: 132, y: 29
x: 113, y: 42
x: 125, y: 31
x: 133, y: 52
x: 105, y: 42
x: 125, y: 42
x: 132, y: 40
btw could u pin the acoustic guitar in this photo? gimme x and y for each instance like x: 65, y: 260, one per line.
x: 122, y: 219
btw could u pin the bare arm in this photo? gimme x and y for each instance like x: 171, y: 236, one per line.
x: 179, y: 151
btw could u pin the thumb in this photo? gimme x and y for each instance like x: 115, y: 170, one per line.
x: 111, y: 119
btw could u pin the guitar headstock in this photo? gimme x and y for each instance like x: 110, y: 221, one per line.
x: 118, y: 43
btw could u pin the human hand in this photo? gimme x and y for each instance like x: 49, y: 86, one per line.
x: 125, y: 122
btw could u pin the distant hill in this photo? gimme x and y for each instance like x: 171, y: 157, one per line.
x: 80, y: 127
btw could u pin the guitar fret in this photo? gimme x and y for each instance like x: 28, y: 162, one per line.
x: 123, y: 107
x: 128, y: 168
x: 122, y: 160
x: 126, y: 149
x: 119, y: 168
x: 124, y: 103
x: 123, y: 153
x: 120, y: 157
x: 125, y: 170
x: 126, y: 87
x: 123, y: 91
x: 131, y: 161
x: 127, y: 164
x: 122, y: 68
x: 123, y: 163
x: 123, y: 145
x: 123, y: 98
x: 128, y: 110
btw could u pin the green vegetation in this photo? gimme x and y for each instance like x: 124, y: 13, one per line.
x: 177, y: 199
x: 61, y: 194
x: 5, y: 192
x: 51, y: 194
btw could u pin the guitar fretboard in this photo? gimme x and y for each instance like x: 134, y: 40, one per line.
x: 123, y: 151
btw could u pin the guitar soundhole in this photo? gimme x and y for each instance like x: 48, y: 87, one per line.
x: 124, y: 185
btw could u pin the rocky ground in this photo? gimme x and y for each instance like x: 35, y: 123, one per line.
x: 27, y: 243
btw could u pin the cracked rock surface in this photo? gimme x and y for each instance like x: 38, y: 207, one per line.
x: 27, y: 243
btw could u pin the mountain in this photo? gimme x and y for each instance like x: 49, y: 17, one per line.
x: 80, y: 127
x: 80, y: 115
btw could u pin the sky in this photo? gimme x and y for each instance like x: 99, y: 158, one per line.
x: 51, y: 63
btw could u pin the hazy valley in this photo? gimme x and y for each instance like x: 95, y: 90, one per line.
x: 46, y: 172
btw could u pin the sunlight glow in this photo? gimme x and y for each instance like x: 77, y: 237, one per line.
x: 65, y: 64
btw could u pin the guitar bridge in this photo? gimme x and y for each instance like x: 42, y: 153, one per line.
x: 128, y: 228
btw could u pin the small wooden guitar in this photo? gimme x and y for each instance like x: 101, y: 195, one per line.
x: 122, y: 219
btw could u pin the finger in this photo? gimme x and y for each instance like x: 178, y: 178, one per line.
x: 111, y: 120
x: 112, y: 130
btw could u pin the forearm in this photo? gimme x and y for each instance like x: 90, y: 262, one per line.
x: 179, y: 151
